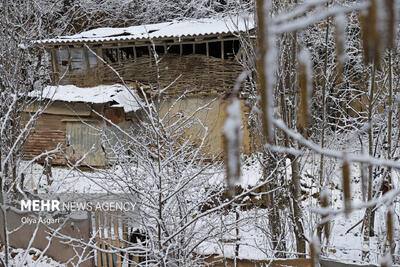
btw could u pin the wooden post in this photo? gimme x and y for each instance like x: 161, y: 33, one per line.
x: 110, y: 239
x: 100, y: 72
x: 118, y: 55
x: 194, y: 48
x: 125, y: 237
x: 69, y: 59
x: 207, y: 51
x: 149, y: 48
x: 180, y: 49
x: 222, y: 50
x: 134, y: 53
x: 165, y: 49
x: 103, y: 244
x: 98, y: 242
x: 86, y: 55
x: 117, y: 243
x: 54, y: 66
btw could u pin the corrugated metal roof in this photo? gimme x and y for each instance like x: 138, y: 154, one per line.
x: 175, y: 29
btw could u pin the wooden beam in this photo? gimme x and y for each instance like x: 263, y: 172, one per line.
x: 98, y: 240
x: 117, y: 241
x: 100, y: 69
x: 222, y: 50
x: 165, y: 48
x: 86, y: 56
x: 118, y: 55
x: 194, y: 48
x: 54, y: 65
x: 134, y: 53
x: 180, y: 49
x: 207, y: 51
x: 110, y: 240
x: 150, y: 54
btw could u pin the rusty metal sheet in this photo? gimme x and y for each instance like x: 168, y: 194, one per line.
x: 84, y: 137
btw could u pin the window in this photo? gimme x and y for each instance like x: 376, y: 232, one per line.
x: 174, y: 49
x: 78, y: 63
x: 187, y: 49
x: 142, y: 51
x: 214, y: 49
x: 62, y: 57
x: 92, y: 58
x: 126, y: 53
x: 110, y: 55
x: 201, y: 49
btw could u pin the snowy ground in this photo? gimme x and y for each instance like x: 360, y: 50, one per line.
x: 30, y: 259
x: 254, y: 244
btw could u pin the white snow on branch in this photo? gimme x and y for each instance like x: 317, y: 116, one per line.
x: 233, y: 134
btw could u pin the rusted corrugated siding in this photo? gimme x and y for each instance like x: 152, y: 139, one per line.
x: 49, y: 132
x: 82, y: 137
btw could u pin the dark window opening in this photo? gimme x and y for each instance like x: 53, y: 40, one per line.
x: 159, y: 50
x: 229, y: 52
x: 187, y: 49
x: 142, y: 51
x: 110, y: 55
x: 201, y: 49
x: 126, y: 53
x: 214, y: 49
x: 174, y: 49
x: 236, y: 46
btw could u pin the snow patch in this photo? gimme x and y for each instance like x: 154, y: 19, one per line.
x: 126, y: 97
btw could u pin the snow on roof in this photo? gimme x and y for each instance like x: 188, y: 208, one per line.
x: 174, y: 29
x: 128, y: 100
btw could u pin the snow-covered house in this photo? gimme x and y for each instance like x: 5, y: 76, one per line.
x: 196, y: 55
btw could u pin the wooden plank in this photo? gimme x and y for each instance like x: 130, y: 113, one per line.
x: 86, y: 57
x: 117, y: 243
x: 222, y: 50
x: 125, y: 238
x: 62, y: 108
x: 54, y: 66
x: 150, y: 54
x: 98, y: 243
x: 78, y: 119
x: 103, y: 254
x: 110, y: 240
x: 125, y: 234
x: 118, y: 55
x: 69, y: 59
